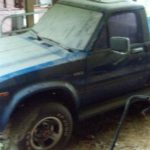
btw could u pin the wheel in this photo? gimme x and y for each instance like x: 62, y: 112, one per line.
x: 47, y: 127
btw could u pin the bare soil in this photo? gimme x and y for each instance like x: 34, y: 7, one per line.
x: 97, y: 133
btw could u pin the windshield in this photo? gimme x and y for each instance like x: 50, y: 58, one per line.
x: 70, y: 26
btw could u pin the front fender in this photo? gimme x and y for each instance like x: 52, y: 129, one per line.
x: 33, y: 89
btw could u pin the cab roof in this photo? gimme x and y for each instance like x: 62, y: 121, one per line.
x: 103, y: 5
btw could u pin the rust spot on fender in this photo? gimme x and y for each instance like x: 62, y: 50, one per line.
x: 4, y: 94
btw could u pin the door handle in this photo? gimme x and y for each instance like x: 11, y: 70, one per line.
x: 137, y: 50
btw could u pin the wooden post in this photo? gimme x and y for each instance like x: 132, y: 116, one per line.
x: 55, y: 1
x: 5, y: 4
x: 29, y: 7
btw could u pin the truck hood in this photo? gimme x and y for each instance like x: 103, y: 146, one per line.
x: 23, y: 54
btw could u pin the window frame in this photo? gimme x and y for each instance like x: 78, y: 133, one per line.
x: 105, y: 25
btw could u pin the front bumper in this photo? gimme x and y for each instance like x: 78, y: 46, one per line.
x: 4, y: 141
x: 4, y: 145
x: 3, y: 135
x: 4, y: 115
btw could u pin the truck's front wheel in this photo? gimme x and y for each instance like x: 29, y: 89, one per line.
x: 48, y: 127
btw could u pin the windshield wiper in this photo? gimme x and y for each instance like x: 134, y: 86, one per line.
x: 50, y: 40
x: 56, y: 43
x: 36, y: 34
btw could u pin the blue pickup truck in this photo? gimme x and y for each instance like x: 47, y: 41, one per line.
x: 82, y: 58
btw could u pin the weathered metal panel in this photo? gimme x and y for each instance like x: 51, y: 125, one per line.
x: 17, y: 53
x: 20, y: 55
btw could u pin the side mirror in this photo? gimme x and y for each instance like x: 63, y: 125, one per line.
x: 120, y: 44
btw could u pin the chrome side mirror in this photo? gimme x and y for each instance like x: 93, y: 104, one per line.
x: 120, y: 44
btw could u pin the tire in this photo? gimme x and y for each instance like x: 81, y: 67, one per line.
x: 46, y: 127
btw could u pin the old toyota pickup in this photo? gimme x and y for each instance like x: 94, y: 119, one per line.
x: 81, y: 59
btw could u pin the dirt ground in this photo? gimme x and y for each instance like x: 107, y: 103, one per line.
x: 97, y: 133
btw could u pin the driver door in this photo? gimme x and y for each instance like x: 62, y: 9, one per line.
x: 111, y: 73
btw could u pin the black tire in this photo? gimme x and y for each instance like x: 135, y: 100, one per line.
x: 46, y: 127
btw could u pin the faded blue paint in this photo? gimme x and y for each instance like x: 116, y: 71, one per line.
x: 54, y: 55
x: 69, y: 57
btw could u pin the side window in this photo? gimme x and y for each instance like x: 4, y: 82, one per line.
x: 125, y: 25
x: 121, y: 24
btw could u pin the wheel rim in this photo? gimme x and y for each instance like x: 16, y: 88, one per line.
x: 46, y: 133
